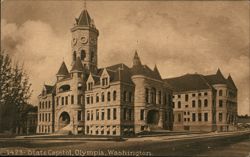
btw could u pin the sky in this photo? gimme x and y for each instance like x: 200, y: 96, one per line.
x: 178, y: 36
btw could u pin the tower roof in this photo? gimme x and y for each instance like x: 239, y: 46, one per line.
x: 231, y: 83
x: 84, y: 19
x: 136, y: 60
x: 63, y: 70
x: 77, y: 65
x: 156, y: 71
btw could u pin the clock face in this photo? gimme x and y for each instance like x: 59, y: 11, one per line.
x: 84, y: 39
x: 74, y: 41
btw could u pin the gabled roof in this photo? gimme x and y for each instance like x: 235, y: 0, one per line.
x: 156, y: 71
x: 117, y: 72
x: 231, y: 83
x: 188, y: 82
x: 77, y: 65
x: 63, y: 71
x: 48, y: 88
x: 145, y: 71
x: 217, y: 78
x: 84, y: 19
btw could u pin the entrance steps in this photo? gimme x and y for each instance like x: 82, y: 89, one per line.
x: 64, y: 131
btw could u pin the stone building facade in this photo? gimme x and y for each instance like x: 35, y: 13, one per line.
x: 204, y: 102
x: 114, y: 100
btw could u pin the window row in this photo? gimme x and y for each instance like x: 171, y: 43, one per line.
x: 66, y: 100
x: 45, y: 105
x: 44, y: 129
x: 45, y: 117
x: 99, y: 114
x: 187, y: 95
x: 198, y: 117
x: 127, y: 96
x: 101, y: 130
x: 179, y: 105
x: 155, y: 97
x: 101, y: 98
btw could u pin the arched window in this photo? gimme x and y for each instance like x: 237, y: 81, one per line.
x: 153, y: 95
x: 159, y: 97
x: 74, y: 56
x: 108, y: 96
x: 83, y: 54
x: 103, y: 98
x: 205, y: 103
x: 64, y: 88
x: 199, y: 103
x: 114, y: 95
x: 220, y: 92
x: 97, y: 98
x: 179, y: 104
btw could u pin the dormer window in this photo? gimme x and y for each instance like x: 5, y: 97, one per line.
x: 44, y: 92
x: 105, y: 81
x: 64, y: 88
x: 90, y: 85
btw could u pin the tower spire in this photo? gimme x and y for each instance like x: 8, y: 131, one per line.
x: 85, y: 5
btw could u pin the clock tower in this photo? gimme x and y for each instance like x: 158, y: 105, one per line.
x: 84, y: 41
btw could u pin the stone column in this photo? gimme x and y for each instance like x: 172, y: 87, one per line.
x: 160, y: 123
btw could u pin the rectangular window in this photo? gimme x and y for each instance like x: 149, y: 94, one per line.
x: 97, y: 114
x: 206, y: 117
x: 146, y: 95
x: 199, y: 116
x: 103, y: 114
x: 186, y: 97
x: 72, y: 99
x: 220, y: 117
x: 92, y: 115
x: 130, y: 114
x: 193, y: 117
x: 142, y: 115
x: 205, y: 93
x: 193, y: 95
x: 193, y: 103
x: 88, y: 115
x: 88, y: 100
x: 114, y: 113
x: 108, y: 115
x: 66, y: 100
x: 179, y: 96
x: 57, y: 101
x: 62, y: 100
x: 79, y: 115
x: 125, y: 114
x: 220, y: 103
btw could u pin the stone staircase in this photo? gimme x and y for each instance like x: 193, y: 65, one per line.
x: 64, y: 131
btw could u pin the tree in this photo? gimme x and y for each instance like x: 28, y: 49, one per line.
x: 14, y: 92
